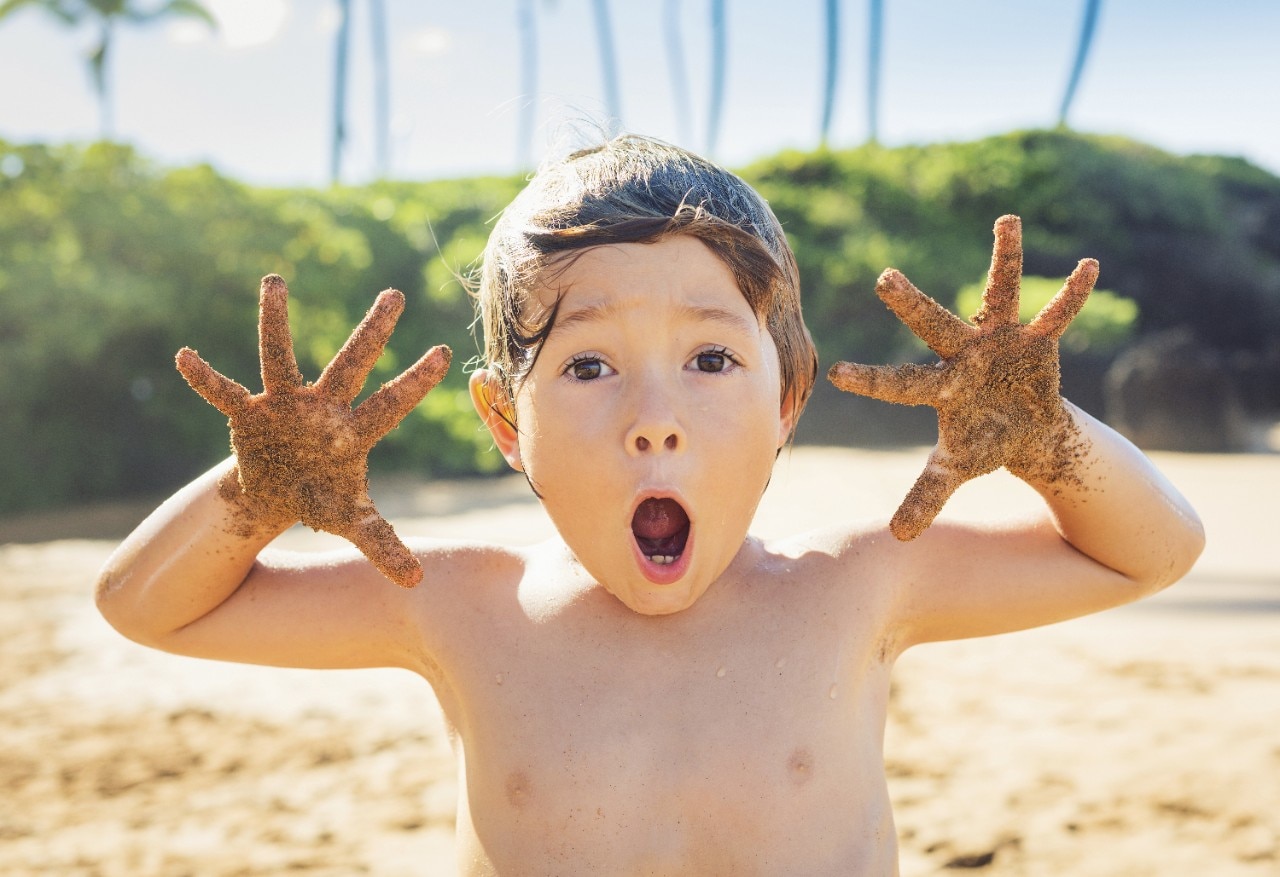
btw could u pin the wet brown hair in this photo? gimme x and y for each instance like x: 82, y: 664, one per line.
x: 634, y: 189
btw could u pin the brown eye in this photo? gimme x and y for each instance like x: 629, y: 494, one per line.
x: 712, y: 361
x: 586, y: 369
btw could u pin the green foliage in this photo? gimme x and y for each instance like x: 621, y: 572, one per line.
x: 1194, y: 242
x: 1103, y: 325
x: 109, y: 264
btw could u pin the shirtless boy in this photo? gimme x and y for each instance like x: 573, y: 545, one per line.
x: 677, y: 696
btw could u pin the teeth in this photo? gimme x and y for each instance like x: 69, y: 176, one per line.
x: 663, y: 559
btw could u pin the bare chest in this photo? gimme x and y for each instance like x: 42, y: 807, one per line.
x: 656, y: 752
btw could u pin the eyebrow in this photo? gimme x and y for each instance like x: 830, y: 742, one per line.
x: 594, y: 313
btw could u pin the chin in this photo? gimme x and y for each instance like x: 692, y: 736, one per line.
x: 658, y: 600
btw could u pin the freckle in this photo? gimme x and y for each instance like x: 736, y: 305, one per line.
x: 518, y: 789
x: 800, y: 765
x: 832, y: 693
x: 720, y: 673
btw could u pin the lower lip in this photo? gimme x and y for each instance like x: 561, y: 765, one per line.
x: 664, y: 573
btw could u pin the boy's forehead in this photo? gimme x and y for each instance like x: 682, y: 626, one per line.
x: 599, y: 282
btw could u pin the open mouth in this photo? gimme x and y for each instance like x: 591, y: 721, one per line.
x: 661, y: 529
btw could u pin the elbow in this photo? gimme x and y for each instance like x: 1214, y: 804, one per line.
x: 112, y: 598
x: 109, y: 599
x: 1179, y: 556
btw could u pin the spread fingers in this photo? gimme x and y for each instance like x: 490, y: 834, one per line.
x: 345, y: 374
x: 943, y: 331
x: 383, y: 411
x: 1004, y: 279
x: 925, y: 499
x: 378, y: 541
x: 217, y: 389
x: 1054, y: 317
x: 904, y: 384
x: 275, y: 343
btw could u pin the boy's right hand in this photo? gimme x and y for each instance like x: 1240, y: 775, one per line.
x: 301, y: 450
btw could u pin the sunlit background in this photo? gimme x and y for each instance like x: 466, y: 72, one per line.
x: 486, y: 87
x: 157, y: 157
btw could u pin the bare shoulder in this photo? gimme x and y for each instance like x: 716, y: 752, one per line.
x: 854, y: 553
x: 856, y: 567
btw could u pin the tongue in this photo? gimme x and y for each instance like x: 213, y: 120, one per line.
x: 660, y: 525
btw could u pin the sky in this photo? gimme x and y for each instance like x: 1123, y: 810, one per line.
x: 254, y: 98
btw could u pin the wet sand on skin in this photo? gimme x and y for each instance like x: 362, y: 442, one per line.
x: 1143, y: 741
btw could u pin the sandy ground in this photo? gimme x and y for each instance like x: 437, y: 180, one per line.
x: 1139, y: 742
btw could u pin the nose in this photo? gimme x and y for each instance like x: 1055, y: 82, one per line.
x: 656, y: 428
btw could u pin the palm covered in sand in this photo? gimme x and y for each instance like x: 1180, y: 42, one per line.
x: 996, y: 388
x: 301, y: 449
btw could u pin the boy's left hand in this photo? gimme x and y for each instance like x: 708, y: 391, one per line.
x: 996, y: 388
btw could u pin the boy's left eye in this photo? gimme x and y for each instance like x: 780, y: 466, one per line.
x: 713, y: 361
x: 586, y: 367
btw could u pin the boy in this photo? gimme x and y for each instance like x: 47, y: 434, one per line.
x: 655, y: 691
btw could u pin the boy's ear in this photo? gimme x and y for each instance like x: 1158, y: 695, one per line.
x: 786, y: 420
x: 498, y: 414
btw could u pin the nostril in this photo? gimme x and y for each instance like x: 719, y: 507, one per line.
x: 671, y: 443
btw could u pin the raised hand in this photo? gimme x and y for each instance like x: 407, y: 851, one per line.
x: 301, y: 450
x: 996, y: 388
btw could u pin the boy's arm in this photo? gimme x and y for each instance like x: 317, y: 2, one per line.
x: 1121, y: 533
x: 1116, y: 530
x: 189, y: 579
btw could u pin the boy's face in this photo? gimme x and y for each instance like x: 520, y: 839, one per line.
x: 650, y: 423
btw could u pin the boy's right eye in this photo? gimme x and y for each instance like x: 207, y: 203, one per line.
x: 586, y: 368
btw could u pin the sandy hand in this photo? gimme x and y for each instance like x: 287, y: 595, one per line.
x: 301, y: 450
x: 996, y: 388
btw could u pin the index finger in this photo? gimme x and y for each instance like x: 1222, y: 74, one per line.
x: 1004, y: 279
x: 275, y: 342
x: 1054, y: 317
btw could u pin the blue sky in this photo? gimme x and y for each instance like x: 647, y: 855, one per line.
x: 254, y: 99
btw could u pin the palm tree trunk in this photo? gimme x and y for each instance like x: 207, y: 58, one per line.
x: 381, y: 86
x: 99, y: 73
x: 875, y: 39
x: 832, y: 69
x: 716, y: 103
x: 340, y: 90
x: 679, y: 74
x: 527, y: 22
x: 608, y: 65
x: 1087, y: 28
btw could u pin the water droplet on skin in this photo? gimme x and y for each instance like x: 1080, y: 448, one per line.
x: 832, y: 693
x: 720, y: 673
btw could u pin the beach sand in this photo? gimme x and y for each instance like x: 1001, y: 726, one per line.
x: 1142, y: 741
